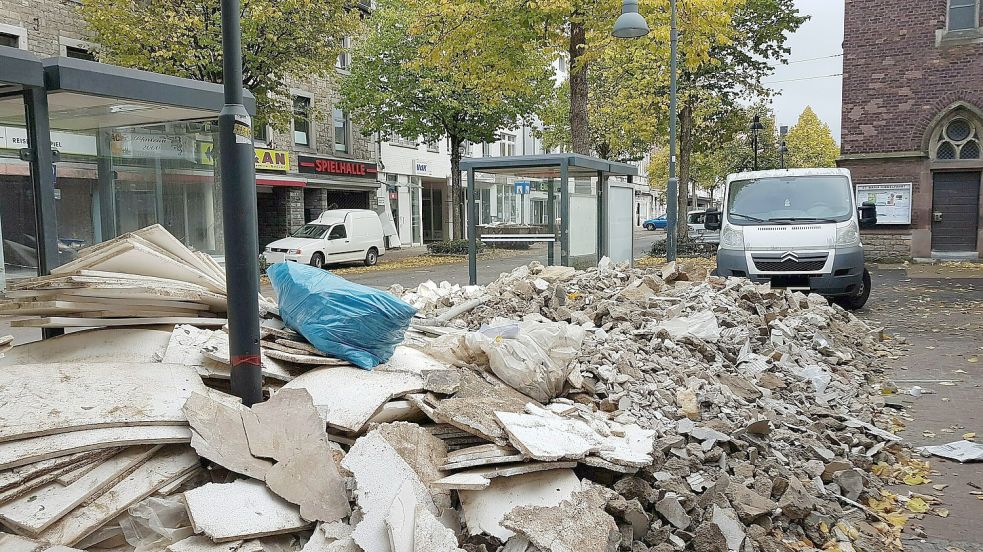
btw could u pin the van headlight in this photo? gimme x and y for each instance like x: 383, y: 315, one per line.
x: 732, y: 237
x: 848, y: 236
x: 294, y: 252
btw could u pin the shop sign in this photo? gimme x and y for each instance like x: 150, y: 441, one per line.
x: 155, y: 146
x: 421, y: 168
x: 266, y: 159
x: 65, y: 142
x: 521, y: 187
x: 893, y: 201
x: 336, y: 167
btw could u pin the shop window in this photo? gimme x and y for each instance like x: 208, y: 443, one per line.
x: 963, y: 15
x: 958, y: 139
x: 342, y: 139
x: 79, y: 53
x: 302, y: 121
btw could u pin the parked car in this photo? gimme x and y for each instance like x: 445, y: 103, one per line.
x: 697, y: 231
x: 658, y: 223
x: 337, y: 236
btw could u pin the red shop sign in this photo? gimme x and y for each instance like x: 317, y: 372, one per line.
x: 336, y: 167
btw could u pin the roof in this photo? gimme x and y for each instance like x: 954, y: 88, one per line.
x: 787, y: 172
x: 339, y: 215
x: 547, y: 165
x: 20, y: 67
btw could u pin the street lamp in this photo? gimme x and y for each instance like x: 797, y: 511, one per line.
x: 631, y: 24
x: 755, y: 127
x: 239, y: 217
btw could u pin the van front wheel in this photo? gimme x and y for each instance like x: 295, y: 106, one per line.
x: 372, y: 257
x: 859, y: 299
x: 317, y: 260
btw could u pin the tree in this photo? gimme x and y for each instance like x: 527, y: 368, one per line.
x: 731, y: 70
x: 281, y: 40
x: 393, y: 91
x: 810, y: 143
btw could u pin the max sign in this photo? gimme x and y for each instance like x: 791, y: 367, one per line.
x: 336, y: 167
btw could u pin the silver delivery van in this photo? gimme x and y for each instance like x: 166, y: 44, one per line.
x: 797, y: 229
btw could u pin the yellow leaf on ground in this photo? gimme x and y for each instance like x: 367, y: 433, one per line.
x: 915, y: 479
x: 917, y: 505
x: 942, y: 512
x: 970, y: 435
x: 897, y: 519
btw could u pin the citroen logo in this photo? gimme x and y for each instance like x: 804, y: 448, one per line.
x: 789, y: 256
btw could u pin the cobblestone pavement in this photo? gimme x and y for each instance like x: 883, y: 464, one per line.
x: 941, y: 320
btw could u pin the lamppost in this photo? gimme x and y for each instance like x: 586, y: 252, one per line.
x: 755, y: 127
x: 239, y: 217
x: 783, y: 149
x: 631, y: 24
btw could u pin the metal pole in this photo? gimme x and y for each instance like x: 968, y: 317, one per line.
x: 564, y: 214
x: 239, y: 217
x: 754, y: 142
x: 472, y: 222
x: 673, y: 186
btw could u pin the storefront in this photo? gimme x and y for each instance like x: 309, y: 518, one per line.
x: 125, y: 153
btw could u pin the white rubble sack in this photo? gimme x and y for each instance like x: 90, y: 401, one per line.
x: 702, y: 325
x: 960, y: 451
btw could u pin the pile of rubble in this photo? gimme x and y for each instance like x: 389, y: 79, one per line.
x: 553, y: 410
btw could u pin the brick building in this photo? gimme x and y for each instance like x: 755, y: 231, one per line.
x: 913, y: 114
x: 321, y: 161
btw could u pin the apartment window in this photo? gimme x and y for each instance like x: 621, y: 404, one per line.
x: 433, y: 146
x: 963, y: 14
x: 10, y: 40
x: 302, y: 121
x: 507, y: 145
x: 345, y: 57
x: 402, y: 141
x: 260, y: 132
x: 485, y: 149
x: 341, y: 131
x: 79, y: 53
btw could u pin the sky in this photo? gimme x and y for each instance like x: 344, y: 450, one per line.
x: 819, y: 37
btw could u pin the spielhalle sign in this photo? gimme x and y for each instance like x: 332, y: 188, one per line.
x: 336, y: 167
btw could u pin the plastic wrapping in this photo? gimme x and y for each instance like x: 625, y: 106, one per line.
x: 342, y: 319
x: 155, y: 523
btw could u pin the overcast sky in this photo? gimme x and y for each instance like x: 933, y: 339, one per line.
x: 820, y: 37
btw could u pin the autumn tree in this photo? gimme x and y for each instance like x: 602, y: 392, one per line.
x: 281, y: 40
x: 810, y: 142
x: 392, y: 90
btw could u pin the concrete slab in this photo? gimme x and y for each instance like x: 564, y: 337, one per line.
x: 347, y: 397
x: 27, y: 451
x: 219, y: 434
x: 71, y: 397
x: 243, y: 509
x: 119, y: 345
x: 310, y: 479
x: 167, y: 465
x: 35, y: 511
x: 485, y: 509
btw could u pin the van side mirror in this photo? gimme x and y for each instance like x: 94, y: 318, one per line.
x: 868, y: 214
x: 712, y: 220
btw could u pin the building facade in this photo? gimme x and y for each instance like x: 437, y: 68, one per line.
x: 913, y: 123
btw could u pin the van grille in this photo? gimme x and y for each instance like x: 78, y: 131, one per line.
x: 790, y: 262
x: 278, y: 250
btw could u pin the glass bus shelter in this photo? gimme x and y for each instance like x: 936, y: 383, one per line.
x: 566, y: 202
x: 90, y: 151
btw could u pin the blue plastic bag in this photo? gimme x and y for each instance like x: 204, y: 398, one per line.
x: 342, y: 319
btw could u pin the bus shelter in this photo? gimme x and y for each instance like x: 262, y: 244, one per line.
x: 578, y: 207
x: 90, y: 151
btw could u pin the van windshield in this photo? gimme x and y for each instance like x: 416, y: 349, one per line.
x: 789, y: 199
x: 313, y: 231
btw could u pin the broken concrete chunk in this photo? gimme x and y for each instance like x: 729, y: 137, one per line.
x: 218, y: 434
x: 748, y: 504
x: 672, y: 511
x: 485, y: 509
x: 310, y: 479
x: 243, y: 509
x: 726, y: 520
x: 576, y: 525
x: 282, y: 426
x: 543, y: 435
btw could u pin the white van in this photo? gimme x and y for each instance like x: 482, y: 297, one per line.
x: 337, y: 236
x: 796, y: 229
x: 697, y: 231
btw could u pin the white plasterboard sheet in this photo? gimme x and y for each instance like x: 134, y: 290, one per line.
x: 239, y: 510
x: 36, y: 449
x: 94, y: 346
x: 485, y: 509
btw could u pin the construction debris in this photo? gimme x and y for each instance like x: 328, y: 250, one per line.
x: 552, y: 410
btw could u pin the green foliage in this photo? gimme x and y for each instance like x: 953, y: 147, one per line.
x: 281, y: 40
x: 451, y: 247
x: 810, y: 143
x: 396, y: 87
